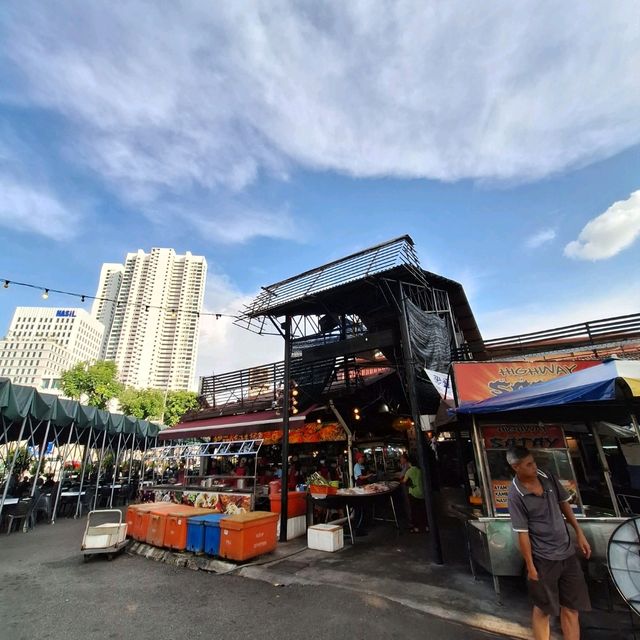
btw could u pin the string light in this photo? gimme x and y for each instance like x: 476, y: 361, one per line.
x: 84, y: 297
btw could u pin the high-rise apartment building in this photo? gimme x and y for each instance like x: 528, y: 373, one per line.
x: 43, y: 342
x: 152, y: 329
x: 104, y: 307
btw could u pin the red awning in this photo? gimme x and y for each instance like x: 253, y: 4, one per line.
x: 226, y: 425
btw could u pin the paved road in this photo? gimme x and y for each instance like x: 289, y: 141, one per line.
x: 47, y: 592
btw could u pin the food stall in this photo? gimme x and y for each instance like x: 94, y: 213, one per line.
x: 204, y: 475
x: 556, y: 419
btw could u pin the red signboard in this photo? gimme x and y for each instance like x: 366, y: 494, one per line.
x: 532, y: 436
x: 475, y: 381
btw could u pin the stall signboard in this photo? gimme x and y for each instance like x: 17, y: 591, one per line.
x: 531, y: 436
x: 309, y: 434
x: 500, y: 494
x: 476, y: 381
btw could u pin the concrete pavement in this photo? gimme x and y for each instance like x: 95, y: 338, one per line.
x: 383, y: 587
x: 47, y: 592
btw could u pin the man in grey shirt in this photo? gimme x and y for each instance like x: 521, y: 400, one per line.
x: 539, y: 509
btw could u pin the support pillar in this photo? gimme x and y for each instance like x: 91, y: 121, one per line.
x: 284, y: 489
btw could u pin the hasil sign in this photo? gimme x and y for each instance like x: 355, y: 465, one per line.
x: 65, y: 313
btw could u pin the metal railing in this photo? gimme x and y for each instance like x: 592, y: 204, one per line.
x: 586, y: 334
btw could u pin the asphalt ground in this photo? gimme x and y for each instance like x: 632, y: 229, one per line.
x: 48, y: 592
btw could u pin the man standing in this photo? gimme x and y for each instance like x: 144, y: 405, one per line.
x: 537, y: 504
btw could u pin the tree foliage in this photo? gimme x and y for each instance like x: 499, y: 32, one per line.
x: 142, y: 403
x: 96, y: 383
x: 178, y: 403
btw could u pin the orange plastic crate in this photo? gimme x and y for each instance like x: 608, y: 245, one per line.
x: 157, y: 523
x: 175, y: 534
x: 248, y: 535
x: 138, y: 518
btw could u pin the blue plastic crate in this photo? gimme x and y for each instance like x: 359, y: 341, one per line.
x: 195, y: 534
x: 212, y: 533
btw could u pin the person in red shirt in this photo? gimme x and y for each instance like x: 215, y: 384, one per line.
x: 240, y: 470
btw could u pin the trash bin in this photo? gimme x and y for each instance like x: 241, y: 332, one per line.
x: 248, y: 535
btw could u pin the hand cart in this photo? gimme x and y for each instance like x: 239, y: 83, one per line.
x: 105, y: 533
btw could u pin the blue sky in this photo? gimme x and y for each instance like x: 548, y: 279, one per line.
x: 272, y: 137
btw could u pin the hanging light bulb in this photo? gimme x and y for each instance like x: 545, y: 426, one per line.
x: 6, y: 284
x: 45, y: 294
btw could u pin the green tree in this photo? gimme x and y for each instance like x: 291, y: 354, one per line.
x: 142, y: 403
x: 177, y: 404
x: 97, y: 382
x: 23, y: 460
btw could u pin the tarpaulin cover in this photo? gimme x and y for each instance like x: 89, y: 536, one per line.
x: 18, y: 402
x: 595, y: 384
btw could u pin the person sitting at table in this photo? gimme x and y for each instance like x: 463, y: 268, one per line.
x: 13, y: 486
x: 24, y: 487
x: 49, y: 484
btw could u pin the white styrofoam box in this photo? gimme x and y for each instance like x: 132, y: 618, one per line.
x: 105, y: 535
x: 325, y: 537
x: 296, y: 527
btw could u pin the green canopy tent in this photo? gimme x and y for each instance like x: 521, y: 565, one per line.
x: 41, y: 419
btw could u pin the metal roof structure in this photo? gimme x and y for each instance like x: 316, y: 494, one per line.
x: 296, y: 292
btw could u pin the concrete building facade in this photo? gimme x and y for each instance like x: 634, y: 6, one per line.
x: 152, y: 329
x: 42, y: 342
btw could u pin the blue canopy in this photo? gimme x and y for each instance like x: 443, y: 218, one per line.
x: 596, y: 384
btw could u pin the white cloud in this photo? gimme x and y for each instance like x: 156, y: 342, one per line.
x: 224, y: 346
x: 543, y: 236
x: 171, y: 98
x: 28, y: 208
x: 609, y: 233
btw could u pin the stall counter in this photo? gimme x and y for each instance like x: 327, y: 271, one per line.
x: 230, y: 502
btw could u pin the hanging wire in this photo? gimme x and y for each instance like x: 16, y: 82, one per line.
x: 84, y: 296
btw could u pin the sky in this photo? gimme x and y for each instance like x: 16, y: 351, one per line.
x: 272, y: 137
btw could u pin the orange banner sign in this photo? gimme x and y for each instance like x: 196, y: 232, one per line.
x: 475, y: 381
x: 312, y: 432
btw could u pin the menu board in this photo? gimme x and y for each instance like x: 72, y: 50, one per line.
x: 548, y: 446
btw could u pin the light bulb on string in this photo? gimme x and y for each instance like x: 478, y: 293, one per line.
x: 6, y: 284
x: 45, y: 294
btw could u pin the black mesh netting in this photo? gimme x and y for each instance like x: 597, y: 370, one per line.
x: 430, y: 340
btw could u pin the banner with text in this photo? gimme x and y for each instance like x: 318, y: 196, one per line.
x: 532, y: 436
x: 477, y: 381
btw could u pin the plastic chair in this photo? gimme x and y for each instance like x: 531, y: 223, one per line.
x: 86, y: 501
x: 42, y: 505
x: 23, y: 511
